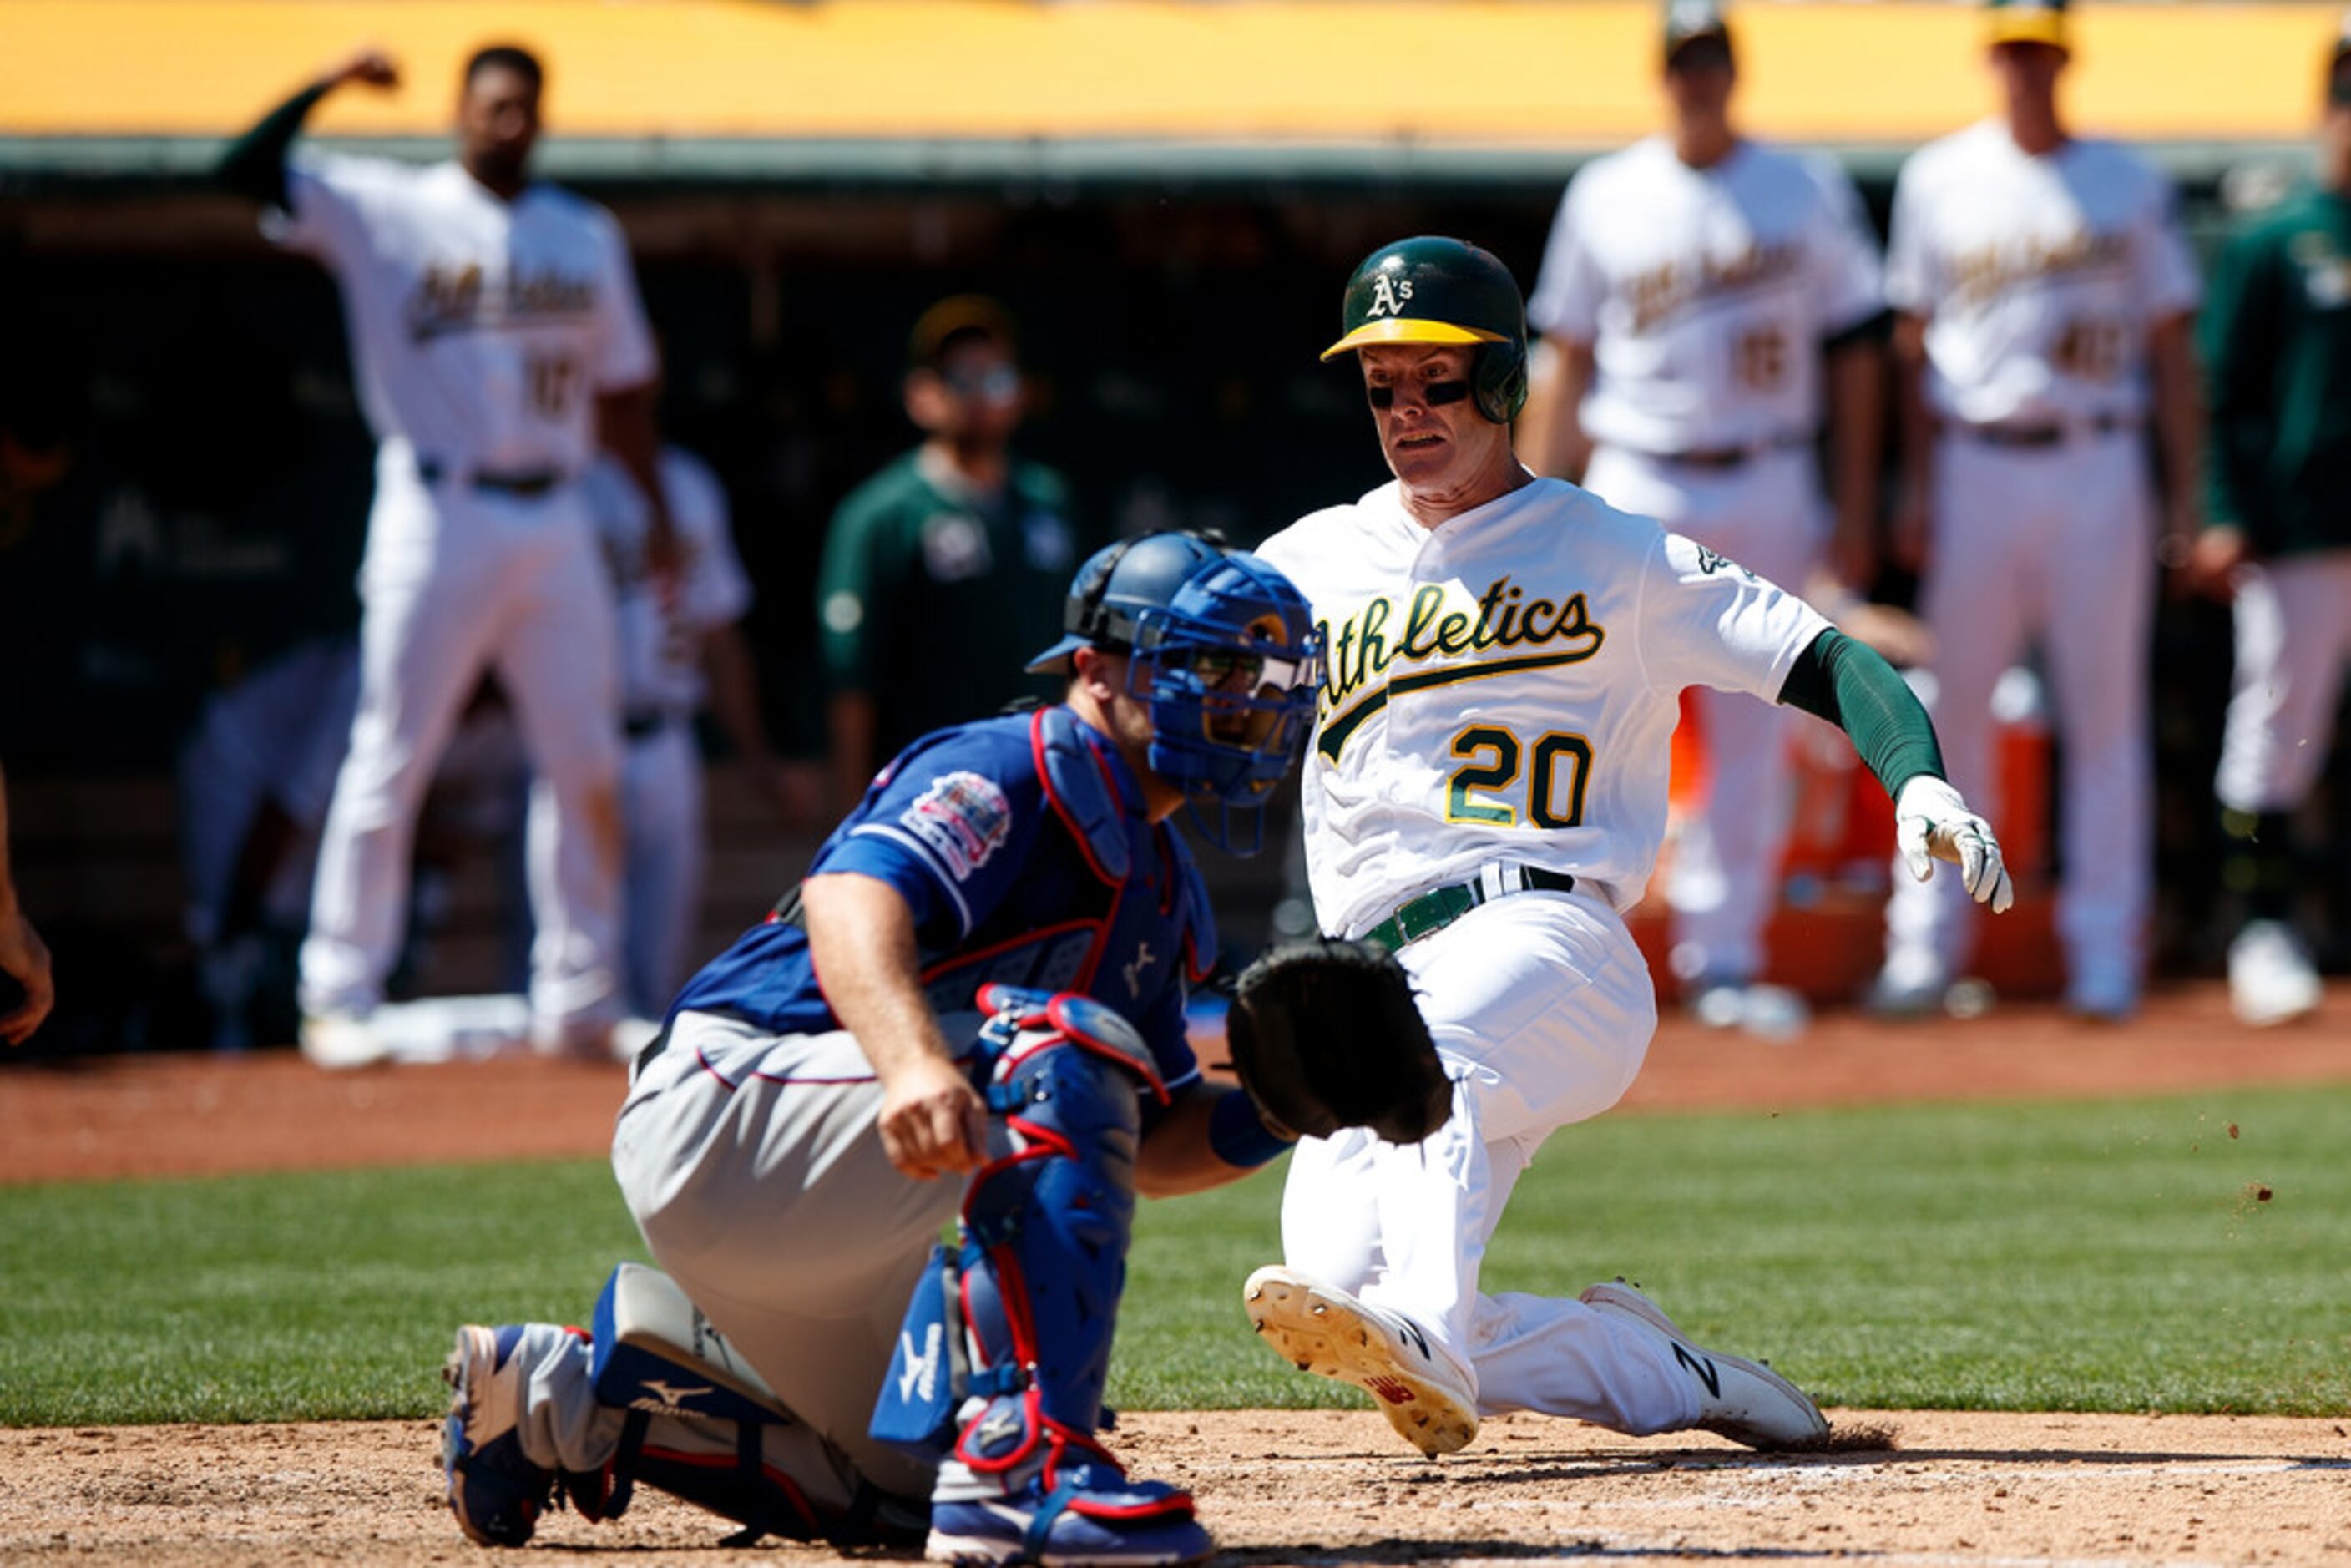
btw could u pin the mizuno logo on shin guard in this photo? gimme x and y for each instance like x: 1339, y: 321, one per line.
x: 920, y: 1375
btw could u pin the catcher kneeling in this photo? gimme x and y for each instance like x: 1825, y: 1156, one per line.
x: 806, y: 1361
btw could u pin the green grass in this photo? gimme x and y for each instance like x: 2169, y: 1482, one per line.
x: 2107, y: 1256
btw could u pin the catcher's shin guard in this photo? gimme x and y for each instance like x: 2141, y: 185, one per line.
x: 703, y: 1426
x: 1000, y: 1368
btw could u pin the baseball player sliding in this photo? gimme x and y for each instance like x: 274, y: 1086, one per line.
x: 496, y: 336
x: 1703, y: 298
x: 2043, y: 292
x: 1485, y: 793
x: 782, y: 1139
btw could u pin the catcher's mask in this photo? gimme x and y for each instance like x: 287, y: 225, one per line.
x: 1434, y: 290
x: 1222, y: 652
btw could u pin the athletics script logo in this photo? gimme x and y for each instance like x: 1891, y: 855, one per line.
x: 1504, y: 619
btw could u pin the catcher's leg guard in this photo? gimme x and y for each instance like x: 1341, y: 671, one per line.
x: 1007, y: 1344
x: 703, y: 1426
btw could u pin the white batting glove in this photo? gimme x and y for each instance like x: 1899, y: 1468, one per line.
x: 1932, y: 824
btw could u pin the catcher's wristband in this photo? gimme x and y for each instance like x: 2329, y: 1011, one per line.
x: 1239, y: 1135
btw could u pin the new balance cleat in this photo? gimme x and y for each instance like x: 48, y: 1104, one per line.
x: 1323, y: 1330
x: 1086, y: 1515
x: 1742, y: 1400
x: 497, y: 1493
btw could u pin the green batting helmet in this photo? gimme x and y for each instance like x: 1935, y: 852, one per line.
x: 1433, y: 290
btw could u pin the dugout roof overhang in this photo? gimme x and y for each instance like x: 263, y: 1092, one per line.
x: 896, y: 92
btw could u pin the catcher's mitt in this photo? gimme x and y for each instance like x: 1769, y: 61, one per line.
x: 1326, y: 1034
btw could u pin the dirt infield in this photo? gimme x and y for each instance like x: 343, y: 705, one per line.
x: 1292, y: 1486
x: 1276, y: 1486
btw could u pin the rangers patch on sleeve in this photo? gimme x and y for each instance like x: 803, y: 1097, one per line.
x: 963, y: 819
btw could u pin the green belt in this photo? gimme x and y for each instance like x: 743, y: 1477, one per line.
x: 1439, y: 907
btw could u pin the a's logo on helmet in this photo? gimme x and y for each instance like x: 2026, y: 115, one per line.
x: 1388, y: 295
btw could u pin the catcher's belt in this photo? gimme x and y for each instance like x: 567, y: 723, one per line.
x: 1440, y: 907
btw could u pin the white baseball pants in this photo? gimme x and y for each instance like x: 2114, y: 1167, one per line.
x: 2292, y: 635
x: 2053, y: 545
x: 1768, y: 516
x: 456, y: 580
x: 1541, y: 1008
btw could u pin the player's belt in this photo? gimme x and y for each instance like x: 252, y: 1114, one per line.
x: 2035, y: 436
x: 526, y: 483
x: 1440, y: 907
x: 1722, y: 458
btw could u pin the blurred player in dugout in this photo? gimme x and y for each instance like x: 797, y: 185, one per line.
x: 1704, y: 302
x: 498, y: 342
x: 2277, y: 347
x: 682, y: 652
x: 945, y: 569
x: 2043, y: 293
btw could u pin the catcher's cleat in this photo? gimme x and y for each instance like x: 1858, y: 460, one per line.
x: 496, y: 1493
x: 1742, y: 1400
x: 1088, y: 1516
x: 1325, y: 1330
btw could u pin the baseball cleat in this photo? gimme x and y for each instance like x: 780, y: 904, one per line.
x: 1323, y: 1330
x: 495, y: 1490
x: 338, y: 1041
x: 2104, y: 990
x: 1742, y: 1400
x: 2270, y: 980
x: 1091, y: 1517
x: 1766, y: 1011
x: 1913, y: 983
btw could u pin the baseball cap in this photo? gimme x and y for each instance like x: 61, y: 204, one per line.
x: 952, y: 318
x: 1688, y: 21
x: 2028, y: 21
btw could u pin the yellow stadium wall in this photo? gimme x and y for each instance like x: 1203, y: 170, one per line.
x: 1531, y: 73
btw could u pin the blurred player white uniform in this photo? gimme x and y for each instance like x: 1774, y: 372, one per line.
x: 1500, y: 695
x: 2038, y: 279
x: 662, y: 688
x: 1705, y: 296
x: 482, y: 331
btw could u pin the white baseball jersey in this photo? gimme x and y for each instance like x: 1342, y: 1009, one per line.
x: 1505, y: 688
x: 661, y: 644
x: 2038, y: 277
x: 481, y: 329
x: 1705, y: 292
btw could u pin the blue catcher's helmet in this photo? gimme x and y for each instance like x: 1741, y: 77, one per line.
x: 1223, y: 652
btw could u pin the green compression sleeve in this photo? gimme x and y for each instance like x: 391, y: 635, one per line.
x: 254, y: 163
x: 1852, y: 686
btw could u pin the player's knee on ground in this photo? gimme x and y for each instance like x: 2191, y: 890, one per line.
x: 703, y: 1426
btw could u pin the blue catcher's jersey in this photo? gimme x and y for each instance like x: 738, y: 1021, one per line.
x: 1021, y: 846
